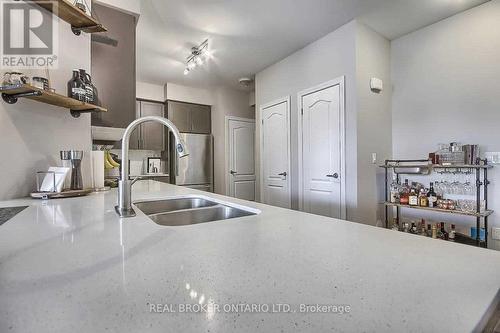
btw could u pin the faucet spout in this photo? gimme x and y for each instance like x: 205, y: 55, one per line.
x: 124, y: 207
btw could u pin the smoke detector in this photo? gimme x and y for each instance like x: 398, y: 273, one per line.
x: 245, y: 82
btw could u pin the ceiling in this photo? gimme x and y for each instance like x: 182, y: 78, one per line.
x: 246, y: 36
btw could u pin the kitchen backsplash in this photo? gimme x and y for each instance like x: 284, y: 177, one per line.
x: 139, y: 158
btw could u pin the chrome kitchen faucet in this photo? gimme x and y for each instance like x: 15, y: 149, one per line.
x: 124, y: 208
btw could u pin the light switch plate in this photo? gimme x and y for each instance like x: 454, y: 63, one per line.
x: 495, y: 233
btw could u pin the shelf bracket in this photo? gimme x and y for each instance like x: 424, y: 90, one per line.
x: 12, y: 98
x: 78, y: 30
x: 78, y: 113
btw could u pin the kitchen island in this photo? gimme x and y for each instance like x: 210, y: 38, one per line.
x: 74, y: 265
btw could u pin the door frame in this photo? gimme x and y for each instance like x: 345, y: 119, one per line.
x: 226, y: 149
x: 340, y: 81
x: 287, y: 99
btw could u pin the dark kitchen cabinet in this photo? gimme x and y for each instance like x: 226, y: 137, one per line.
x: 179, y: 114
x: 153, y: 134
x: 113, y: 68
x: 149, y: 135
x: 190, y: 118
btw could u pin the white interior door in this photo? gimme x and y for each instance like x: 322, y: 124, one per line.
x: 322, y: 150
x: 275, y: 153
x: 241, y: 159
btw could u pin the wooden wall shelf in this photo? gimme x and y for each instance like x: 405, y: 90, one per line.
x: 12, y: 93
x: 68, y: 12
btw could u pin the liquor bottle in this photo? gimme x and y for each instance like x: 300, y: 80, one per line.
x: 429, y: 230
x: 434, y: 231
x: 431, y: 196
x: 422, y: 198
x: 405, y: 191
x: 439, y: 233
x: 443, y: 233
x: 423, y: 231
x: 76, y: 87
x: 451, y: 235
x: 413, y: 228
x: 395, y: 224
x: 395, y: 189
x: 413, y: 196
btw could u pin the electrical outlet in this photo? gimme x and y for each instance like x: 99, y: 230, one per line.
x: 495, y: 233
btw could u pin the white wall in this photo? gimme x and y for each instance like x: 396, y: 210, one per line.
x: 251, y: 99
x: 227, y: 102
x: 154, y: 92
x: 446, y: 88
x: 328, y: 58
x: 132, y: 7
x: 182, y: 93
x: 374, y: 130
x: 32, y: 134
x: 358, y: 53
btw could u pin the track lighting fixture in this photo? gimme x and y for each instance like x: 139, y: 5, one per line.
x: 199, y: 55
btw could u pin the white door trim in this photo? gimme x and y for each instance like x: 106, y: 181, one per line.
x: 340, y: 81
x: 226, y: 149
x: 288, y: 100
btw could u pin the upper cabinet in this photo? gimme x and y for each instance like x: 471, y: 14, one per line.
x: 149, y: 135
x: 113, y: 67
x: 152, y: 133
x: 190, y: 118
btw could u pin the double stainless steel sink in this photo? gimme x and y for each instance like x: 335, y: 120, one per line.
x: 189, y: 210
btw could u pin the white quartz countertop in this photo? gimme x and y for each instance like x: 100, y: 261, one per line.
x: 71, y: 265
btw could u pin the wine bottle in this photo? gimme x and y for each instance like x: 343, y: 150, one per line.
x: 431, y: 196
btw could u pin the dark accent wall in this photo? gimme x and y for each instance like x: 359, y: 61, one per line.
x: 113, y: 69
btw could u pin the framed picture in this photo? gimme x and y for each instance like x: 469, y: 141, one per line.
x: 154, y: 165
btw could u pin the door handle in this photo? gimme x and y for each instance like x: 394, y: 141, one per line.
x: 282, y: 174
x: 335, y: 175
x: 232, y: 172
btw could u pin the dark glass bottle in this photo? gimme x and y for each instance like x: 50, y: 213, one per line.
x: 443, y: 232
x: 413, y: 228
x: 431, y: 197
x: 76, y: 87
x: 89, y: 95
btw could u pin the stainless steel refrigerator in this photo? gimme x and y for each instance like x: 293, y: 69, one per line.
x: 196, y: 169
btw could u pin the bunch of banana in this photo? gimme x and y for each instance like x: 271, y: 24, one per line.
x: 109, y: 162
